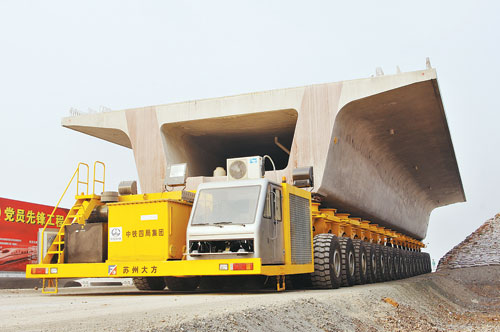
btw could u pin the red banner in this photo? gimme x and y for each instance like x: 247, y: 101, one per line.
x: 19, y: 224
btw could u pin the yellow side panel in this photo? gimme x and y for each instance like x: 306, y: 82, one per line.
x: 179, y: 217
x: 150, y: 230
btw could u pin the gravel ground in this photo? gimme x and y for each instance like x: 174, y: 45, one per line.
x: 451, y: 300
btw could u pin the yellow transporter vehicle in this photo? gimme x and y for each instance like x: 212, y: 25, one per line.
x: 242, y: 232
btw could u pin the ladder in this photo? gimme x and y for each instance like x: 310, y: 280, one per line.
x: 79, y: 212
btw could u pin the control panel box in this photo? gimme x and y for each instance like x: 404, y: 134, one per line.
x: 143, y: 230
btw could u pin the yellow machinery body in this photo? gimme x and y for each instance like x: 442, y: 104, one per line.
x: 147, y: 238
x: 147, y: 230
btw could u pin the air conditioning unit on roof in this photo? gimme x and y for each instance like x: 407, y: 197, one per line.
x: 244, y: 168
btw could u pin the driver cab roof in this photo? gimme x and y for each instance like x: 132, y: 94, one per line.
x: 236, y: 183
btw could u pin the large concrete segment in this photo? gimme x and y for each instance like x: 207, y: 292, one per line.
x: 380, y: 146
x: 393, y: 156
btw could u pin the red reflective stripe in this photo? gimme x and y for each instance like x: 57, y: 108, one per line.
x: 39, y: 270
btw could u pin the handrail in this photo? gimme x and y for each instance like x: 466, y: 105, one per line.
x: 82, y: 182
x: 77, y: 173
x: 103, y: 176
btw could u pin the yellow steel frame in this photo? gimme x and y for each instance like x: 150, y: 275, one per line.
x: 50, y: 285
x: 177, y: 268
x: 340, y: 224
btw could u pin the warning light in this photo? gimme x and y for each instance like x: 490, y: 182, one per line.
x: 241, y: 266
x: 39, y: 270
x: 223, y: 267
x: 53, y: 270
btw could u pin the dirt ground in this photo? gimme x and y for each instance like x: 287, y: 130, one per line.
x: 453, y: 300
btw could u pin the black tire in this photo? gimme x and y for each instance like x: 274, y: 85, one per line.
x: 417, y: 263
x: 401, y: 263
x: 149, y: 283
x: 381, y: 263
x: 371, y: 263
x: 420, y: 266
x: 410, y: 263
x: 348, y: 261
x: 389, y: 257
x: 182, y: 283
x: 361, y: 257
x: 413, y: 264
x: 327, y: 262
x: 428, y: 263
x: 406, y: 263
x: 397, y: 263
x: 402, y: 253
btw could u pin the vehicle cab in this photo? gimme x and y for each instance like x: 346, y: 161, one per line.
x: 237, y: 219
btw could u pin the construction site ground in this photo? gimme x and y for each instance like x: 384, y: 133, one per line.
x: 466, y: 299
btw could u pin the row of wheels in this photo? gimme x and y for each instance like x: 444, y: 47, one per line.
x: 338, y: 262
x: 346, y: 262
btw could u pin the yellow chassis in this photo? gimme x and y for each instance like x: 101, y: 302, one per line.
x: 177, y: 268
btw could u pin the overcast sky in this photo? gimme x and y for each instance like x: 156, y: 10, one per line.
x: 55, y: 55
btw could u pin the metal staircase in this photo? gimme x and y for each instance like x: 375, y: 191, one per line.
x: 80, y: 212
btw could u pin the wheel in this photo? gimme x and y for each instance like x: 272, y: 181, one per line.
x: 395, y: 259
x: 390, y: 263
x: 371, y: 275
x: 401, y: 263
x: 406, y: 263
x: 381, y: 263
x: 149, y: 283
x: 348, y: 261
x: 402, y: 252
x: 413, y: 264
x: 420, y: 261
x: 428, y: 263
x: 182, y: 283
x: 410, y: 263
x: 327, y: 262
x: 397, y: 263
x: 360, y: 268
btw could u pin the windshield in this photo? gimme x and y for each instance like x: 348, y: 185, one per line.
x: 230, y: 205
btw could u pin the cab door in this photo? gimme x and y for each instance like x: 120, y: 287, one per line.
x: 277, y: 225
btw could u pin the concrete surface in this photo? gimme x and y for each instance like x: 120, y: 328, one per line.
x: 380, y: 146
x: 456, y: 300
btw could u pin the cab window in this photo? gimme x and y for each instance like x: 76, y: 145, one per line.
x: 277, y: 204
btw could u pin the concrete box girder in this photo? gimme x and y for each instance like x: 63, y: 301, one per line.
x: 380, y: 146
